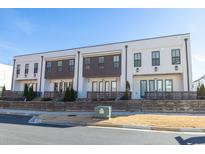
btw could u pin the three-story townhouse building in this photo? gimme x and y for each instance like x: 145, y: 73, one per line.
x: 152, y: 64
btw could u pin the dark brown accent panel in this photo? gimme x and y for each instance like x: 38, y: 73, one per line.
x: 108, y: 69
x: 66, y: 72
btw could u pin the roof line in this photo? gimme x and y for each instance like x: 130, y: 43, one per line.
x: 103, y: 44
x: 198, y: 79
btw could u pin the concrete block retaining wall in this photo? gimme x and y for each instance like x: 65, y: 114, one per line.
x: 180, y: 106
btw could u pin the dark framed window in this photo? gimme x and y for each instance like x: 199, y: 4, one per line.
x: 116, y: 61
x: 71, y: 65
x: 48, y: 66
x: 151, y: 85
x: 101, y: 61
x: 26, y: 68
x: 35, y: 68
x: 56, y: 86
x: 176, y: 58
x: 143, y: 87
x: 94, y: 86
x: 137, y: 60
x: 87, y: 63
x: 155, y: 58
x: 168, y: 85
x: 113, y: 86
x: 159, y: 85
x: 18, y: 69
x: 107, y: 86
x: 60, y: 66
x: 100, y: 86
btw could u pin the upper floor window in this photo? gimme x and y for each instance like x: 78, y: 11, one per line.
x: 87, y: 63
x: 176, y: 56
x: 26, y: 68
x: 116, y: 61
x: 35, y: 68
x: 137, y: 60
x: 18, y: 69
x: 155, y: 58
x: 60, y: 66
x: 101, y: 61
x: 48, y: 66
x: 71, y: 64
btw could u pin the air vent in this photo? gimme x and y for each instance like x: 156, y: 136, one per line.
x: 17, y: 75
x: 137, y: 69
x: 34, y: 75
x: 155, y: 69
x: 25, y: 75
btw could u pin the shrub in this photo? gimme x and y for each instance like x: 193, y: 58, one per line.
x: 4, y: 88
x: 126, y: 96
x: 73, y: 94
x: 46, y: 99
x: 67, y: 95
x: 201, y: 91
x: 25, y: 92
x: 31, y: 94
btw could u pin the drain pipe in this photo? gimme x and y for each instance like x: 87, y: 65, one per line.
x: 187, y: 63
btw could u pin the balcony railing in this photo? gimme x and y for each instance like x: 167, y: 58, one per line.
x: 174, y: 95
x: 106, y: 95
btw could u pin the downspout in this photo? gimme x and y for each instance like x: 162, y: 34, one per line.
x: 78, y: 71
x: 12, y: 82
x: 126, y: 46
x: 187, y: 63
x: 41, y: 74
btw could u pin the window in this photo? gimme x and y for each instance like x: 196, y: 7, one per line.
x: 61, y: 86
x: 26, y: 68
x: 94, y: 86
x: 18, y: 69
x: 116, y: 61
x: 60, y: 66
x: 35, y: 68
x: 100, y: 86
x: 151, y: 85
x: 176, y: 56
x: 113, y: 85
x: 55, y: 86
x: 107, y: 86
x: 101, y: 61
x: 65, y: 85
x: 137, y: 60
x: 143, y: 87
x: 159, y: 85
x: 70, y: 84
x: 48, y: 66
x: 168, y: 85
x: 71, y: 64
x: 87, y: 63
x: 155, y: 58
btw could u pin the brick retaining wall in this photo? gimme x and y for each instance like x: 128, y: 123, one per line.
x: 183, y: 106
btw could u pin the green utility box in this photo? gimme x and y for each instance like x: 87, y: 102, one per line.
x: 103, y: 112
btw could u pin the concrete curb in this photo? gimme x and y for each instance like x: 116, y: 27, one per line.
x: 130, y: 127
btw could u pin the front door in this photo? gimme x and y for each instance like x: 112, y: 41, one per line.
x: 143, y: 88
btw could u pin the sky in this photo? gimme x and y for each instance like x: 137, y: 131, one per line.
x: 24, y: 31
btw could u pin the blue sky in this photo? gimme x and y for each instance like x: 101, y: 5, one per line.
x: 36, y: 30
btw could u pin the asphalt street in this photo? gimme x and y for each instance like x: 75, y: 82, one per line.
x: 16, y: 130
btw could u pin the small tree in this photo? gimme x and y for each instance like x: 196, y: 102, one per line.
x: 73, y: 94
x: 198, y: 91
x: 202, y: 90
x: 25, y: 92
x: 127, y: 92
x: 67, y: 95
x: 4, y: 88
x: 30, y: 93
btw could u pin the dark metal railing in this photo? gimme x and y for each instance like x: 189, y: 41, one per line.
x: 117, y: 95
x: 174, y: 95
x: 53, y: 94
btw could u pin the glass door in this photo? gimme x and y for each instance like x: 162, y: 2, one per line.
x: 143, y: 88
